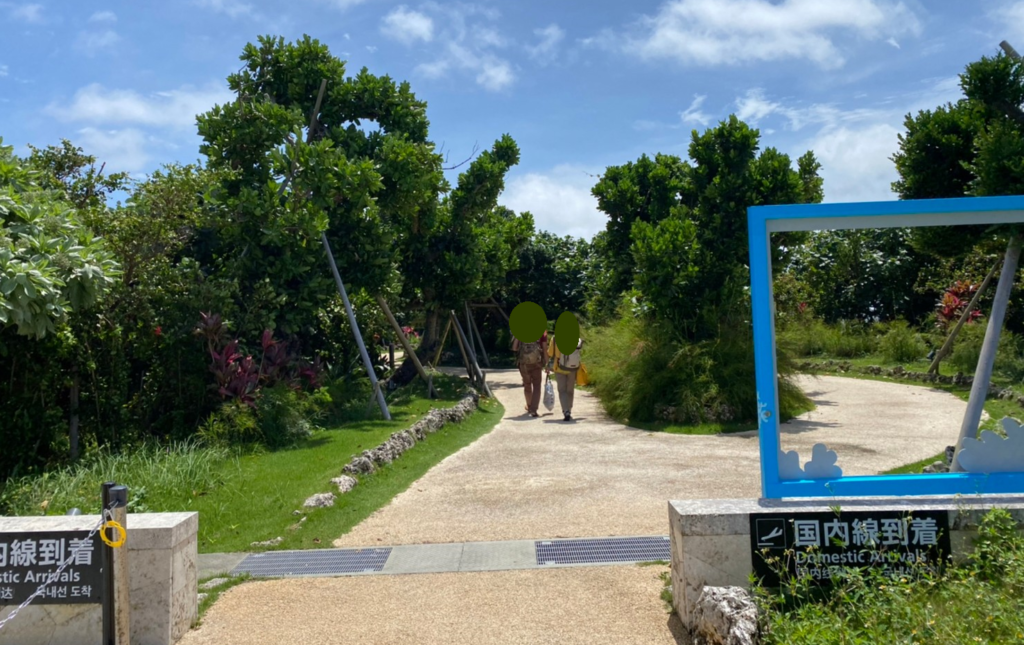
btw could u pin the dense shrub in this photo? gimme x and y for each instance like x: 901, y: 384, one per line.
x: 643, y: 370
x: 279, y: 417
x: 967, y: 350
x: 901, y: 344
x: 846, y: 339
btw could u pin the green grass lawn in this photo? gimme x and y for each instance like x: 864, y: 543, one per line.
x: 252, y: 497
x: 261, y: 492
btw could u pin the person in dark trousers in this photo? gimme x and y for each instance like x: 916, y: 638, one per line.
x: 531, y: 358
x: 565, y: 366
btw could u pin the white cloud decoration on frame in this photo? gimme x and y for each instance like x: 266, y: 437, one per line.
x: 822, y: 464
x: 994, y: 454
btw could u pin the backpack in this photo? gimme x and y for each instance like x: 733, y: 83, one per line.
x: 530, y: 354
x: 571, y: 361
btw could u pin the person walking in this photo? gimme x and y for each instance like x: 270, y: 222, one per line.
x: 565, y: 367
x: 530, y: 358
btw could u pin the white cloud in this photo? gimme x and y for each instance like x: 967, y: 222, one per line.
x: 550, y: 37
x: 121, y: 150
x: 344, y: 4
x: 103, y: 16
x: 407, y: 26
x: 495, y: 74
x: 693, y: 113
x: 171, y: 109
x: 467, y: 45
x: 559, y: 200
x: 1009, y: 16
x: 853, y: 144
x: 92, y: 42
x: 371, y: 48
x: 3, y: 71
x: 605, y: 39
x: 232, y: 8
x: 753, y: 107
x: 855, y: 162
x: 723, y: 32
x: 894, y: 43
x: 347, y: 37
x: 855, y: 147
x: 31, y: 13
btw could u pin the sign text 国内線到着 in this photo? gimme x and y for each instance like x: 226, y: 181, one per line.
x: 821, y: 544
x: 28, y: 559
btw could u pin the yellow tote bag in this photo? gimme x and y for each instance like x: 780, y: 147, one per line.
x: 582, y: 377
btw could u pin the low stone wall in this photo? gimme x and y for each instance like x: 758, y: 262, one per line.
x: 385, y: 453
x: 399, y: 442
x: 711, y: 538
x: 163, y: 579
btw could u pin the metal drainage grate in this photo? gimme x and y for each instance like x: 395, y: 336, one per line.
x: 631, y: 549
x: 313, y: 563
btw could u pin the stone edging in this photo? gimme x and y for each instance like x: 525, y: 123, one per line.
x: 386, y: 453
x: 394, y: 446
x: 899, y: 373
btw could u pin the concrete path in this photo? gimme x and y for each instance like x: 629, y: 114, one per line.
x: 587, y: 606
x: 542, y: 478
x: 535, y: 478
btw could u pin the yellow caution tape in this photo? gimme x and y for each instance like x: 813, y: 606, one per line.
x: 117, y: 527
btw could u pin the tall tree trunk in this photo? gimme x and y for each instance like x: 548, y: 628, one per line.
x: 983, y: 374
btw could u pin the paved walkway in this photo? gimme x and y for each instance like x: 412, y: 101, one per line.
x: 535, y: 479
x: 544, y: 478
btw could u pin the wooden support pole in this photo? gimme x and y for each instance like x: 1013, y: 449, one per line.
x: 500, y: 310
x: 462, y: 347
x: 337, y: 276
x: 440, y: 347
x: 407, y: 346
x: 355, y: 329
x: 474, y: 331
x: 479, y: 373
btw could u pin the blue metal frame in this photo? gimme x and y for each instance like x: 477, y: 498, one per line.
x: 764, y: 220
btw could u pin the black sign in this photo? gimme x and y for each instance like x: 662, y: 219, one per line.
x: 28, y: 559
x: 819, y: 545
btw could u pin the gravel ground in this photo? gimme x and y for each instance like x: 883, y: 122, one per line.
x: 543, y: 478
x: 585, y: 606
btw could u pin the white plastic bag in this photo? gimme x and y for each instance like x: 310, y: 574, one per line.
x: 549, y: 394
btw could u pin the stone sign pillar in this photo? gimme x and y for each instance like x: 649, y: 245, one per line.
x: 163, y: 579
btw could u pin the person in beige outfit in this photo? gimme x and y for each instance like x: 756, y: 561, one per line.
x: 565, y: 368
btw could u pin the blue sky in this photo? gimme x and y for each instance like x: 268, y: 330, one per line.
x: 580, y: 86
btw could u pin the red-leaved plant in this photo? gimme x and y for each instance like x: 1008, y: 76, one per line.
x: 954, y: 301
x: 239, y: 377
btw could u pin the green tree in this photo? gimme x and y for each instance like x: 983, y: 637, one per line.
x: 50, y: 262
x: 691, y: 266
x: 444, y: 264
x: 647, y: 190
x: 990, y: 117
x: 53, y: 272
x: 553, y: 272
x: 863, y: 274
